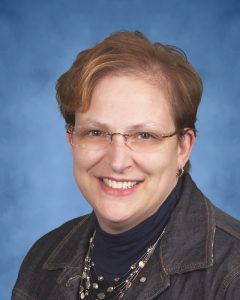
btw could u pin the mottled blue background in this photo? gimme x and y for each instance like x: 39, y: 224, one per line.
x: 38, y: 41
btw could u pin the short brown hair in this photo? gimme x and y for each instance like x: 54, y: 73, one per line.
x: 132, y: 53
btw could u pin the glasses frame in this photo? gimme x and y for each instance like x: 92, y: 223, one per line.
x: 181, y: 132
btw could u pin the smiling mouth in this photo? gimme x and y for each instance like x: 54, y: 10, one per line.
x: 119, y: 184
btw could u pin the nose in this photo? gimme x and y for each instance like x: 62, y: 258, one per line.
x: 119, y: 155
x: 118, y: 133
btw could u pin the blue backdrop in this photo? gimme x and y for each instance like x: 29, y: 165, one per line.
x: 38, y: 41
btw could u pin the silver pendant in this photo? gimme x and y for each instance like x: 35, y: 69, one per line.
x: 128, y: 284
x: 95, y: 285
x: 88, y: 284
x: 141, y: 264
x: 110, y: 289
x: 116, y: 279
x: 101, y: 296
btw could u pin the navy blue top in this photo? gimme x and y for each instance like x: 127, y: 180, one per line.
x: 113, y: 254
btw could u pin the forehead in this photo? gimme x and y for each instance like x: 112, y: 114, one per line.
x: 128, y: 101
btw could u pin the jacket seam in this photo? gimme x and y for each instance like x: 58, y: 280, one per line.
x: 23, y: 295
x: 211, y: 232
x: 186, y: 268
x: 228, y: 231
x: 227, y: 280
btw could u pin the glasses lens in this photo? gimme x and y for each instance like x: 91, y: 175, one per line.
x: 90, y: 142
x: 143, y: 143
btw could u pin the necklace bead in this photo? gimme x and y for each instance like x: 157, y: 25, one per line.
x: 133, y: 266
x: 100, y: 278
x: 143, y: 279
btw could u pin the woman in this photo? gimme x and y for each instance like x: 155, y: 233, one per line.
x: 130, y: 107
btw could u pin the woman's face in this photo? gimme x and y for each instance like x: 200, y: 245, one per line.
x: 119, y: 104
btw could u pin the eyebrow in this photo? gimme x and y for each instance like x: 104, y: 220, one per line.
x: 92, y: 122
x: 133, y: 127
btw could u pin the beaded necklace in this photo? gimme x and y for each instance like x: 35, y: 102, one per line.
x: 95, y: 286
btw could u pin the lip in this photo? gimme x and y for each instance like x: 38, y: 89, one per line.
x: 119, y: 192
x: 119, y: 180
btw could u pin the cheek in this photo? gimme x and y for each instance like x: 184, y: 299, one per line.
x: 165, y: 160
x: 85, y: 161
x: 82, y: 166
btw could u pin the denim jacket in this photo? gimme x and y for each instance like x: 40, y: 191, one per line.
x: 198, y: 257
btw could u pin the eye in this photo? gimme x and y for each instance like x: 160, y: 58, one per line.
x: 145, y: 135
x: 94, y: 132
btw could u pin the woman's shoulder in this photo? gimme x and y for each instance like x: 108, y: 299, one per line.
x: 227, y: 223
x: 54, y: 237
x: 33, y: 269
x: 44, y: 246
x: 217, y: 217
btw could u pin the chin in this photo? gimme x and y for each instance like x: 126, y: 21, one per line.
x: 114, y: 216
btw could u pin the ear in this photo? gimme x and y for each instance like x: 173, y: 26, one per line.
x: 185, y: 145
x: 68, y: 138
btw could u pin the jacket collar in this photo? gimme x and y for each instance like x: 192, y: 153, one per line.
x: 71, y: 251
x: 186, y: 245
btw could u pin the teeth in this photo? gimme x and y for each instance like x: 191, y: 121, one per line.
x: 119, y: 185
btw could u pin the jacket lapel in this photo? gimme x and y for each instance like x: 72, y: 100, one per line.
x: 68, y: 257
x: 188, y: 242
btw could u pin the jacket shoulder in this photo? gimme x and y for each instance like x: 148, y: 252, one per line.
x: 52, y: 238
x: 227, y: 223
x: 227, y: 255
x: 32, y: 265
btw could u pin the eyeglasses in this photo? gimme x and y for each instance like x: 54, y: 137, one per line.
x: 96, y: 139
